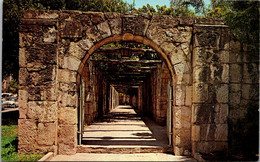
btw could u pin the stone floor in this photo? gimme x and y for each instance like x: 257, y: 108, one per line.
x: 123, y: 136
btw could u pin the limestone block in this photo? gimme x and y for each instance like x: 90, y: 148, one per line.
x: 23, y: 99
x: 235, y: 98
x: 25, y: 149
x: 67, y: 99
x: 178, y: 151
x: 46, y: 133
x: 104, y: 29
x: 27, y: 131
x: 67, y: 115
x: 235, y: 87
x: 250, y: 92
x: 135, y: 24
x: 182, y: 117
x: 200, y: 92
x: 188, y: 97
x: 28, y: 39
x: 222, y: 93
x: 221, y: 133
x: 64, y: 87
x: 71, y: 29
x: 158, y: 27
x: 66, y: 76
x: 195, y: 134
x: 250, y: 73
x: 76, y: 49
x: 41, y: 149
x: 115, y: 22
x: 201, y: 74
x: 71, y: 63
x: 225, y: 73
x: 183, y: 138
x: 43, y: 111
x: 180, y: 95
x: 235, y: 46
x: 42, y: 14
x: 203, y: 113
x: 67, y: 149
x: 202, y: 56
x: 67, y: 134
x: 47, y: 76
x: 49, y: 34
x: 168, y: 47
x: 22, y: 58
x: 211, y: 146
x: 185, y: 48
x: 224, y: 56
x: 85, y: 44
x: 176, y: 55
x: 207, y: 38
x: 235, y: 73
x: 23, y: 75
x: 181, y: 68
x: 223, y: 114
x: 207, y: 132
x: 183, y: 35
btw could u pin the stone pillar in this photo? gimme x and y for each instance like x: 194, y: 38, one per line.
x: 37, y: 124
x: 210, y: 106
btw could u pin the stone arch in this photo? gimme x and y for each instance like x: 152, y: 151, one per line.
x: 54, y: 46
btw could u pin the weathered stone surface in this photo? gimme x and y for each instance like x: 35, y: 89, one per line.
x: 46, y: 133
x: 67, y: 134
x: 221, y: 133
x: 104, y: 29
x: 250, y: 73
x: 23, y: 74
x: 27, y: 131
x: 235, y: 98
x: 222, y: 114
x: 203, y: 113
x: 70, y: 63
x: 195, y: 133
x: 67, y: 115
x: 66, y: 76
x: 180, y: 95
x: 207, y: 132
x: 42, y: 14
x: 222, y: 93
x: 225, y: 73
x: 206, y: 38
x: 67, y: 87
x: 182, y: 117
x: 200, y: 92
x: 67, y: 149
x: 76, y: 49
x: 67, y: 99
x: 71, y: 29
x: 188, y: 97
x: 42, y: 111
x: 22, y: 100
x: 182, y: 138
x: 49, y: 34
x: 201, y: 74
x: 235, y: 73
x: 208, y: 147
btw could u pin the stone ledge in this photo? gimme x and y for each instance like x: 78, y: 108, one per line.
x: 47, y: 157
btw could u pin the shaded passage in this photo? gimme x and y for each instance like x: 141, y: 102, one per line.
x: 123, y: 127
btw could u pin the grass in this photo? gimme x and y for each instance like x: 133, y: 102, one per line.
x: 9, y: 143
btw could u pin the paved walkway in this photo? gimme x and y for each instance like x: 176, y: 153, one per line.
x: 123, y: 136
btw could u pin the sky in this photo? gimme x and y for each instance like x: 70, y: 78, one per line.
x: 140, y: 3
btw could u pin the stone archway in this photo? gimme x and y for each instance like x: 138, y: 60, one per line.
x: 54, y: 46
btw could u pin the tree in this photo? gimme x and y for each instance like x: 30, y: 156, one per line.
x: 242, y: 17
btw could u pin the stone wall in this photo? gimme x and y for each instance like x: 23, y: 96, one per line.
x: 243, y: 99
x: 211, y: 77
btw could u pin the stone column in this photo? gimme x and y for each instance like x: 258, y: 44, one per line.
x: 37, y: 124
x: 210, y: 88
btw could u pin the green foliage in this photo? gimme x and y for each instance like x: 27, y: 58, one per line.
x: 14, y: 86
x: 242, y: 17
x: 9, y: 144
